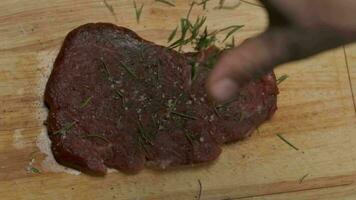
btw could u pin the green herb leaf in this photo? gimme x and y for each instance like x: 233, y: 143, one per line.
x: 33, y: 170
x: 287, y: 142
x: 85, y: 102
x: 138, y: 11
x: 166, y: 2
x: 233, y: 28
x: 282, y: 78
x: 65, y: 128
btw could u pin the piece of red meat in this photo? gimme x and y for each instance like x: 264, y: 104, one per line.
x: 116, y: 100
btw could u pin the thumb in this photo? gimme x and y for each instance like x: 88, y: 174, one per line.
x: 252, y: 59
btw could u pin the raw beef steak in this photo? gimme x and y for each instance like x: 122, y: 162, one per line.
x: 116, y: 100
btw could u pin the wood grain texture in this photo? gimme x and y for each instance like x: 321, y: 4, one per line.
x: 316, y: 113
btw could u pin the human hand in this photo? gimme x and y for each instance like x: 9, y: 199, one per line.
x: 297, y: 29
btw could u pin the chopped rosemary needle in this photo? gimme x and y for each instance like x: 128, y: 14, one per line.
x: 222, y: 6
x: 190, y: 137
x: 97, y: 136
x: 302, y: 179
x: 138, y: 11
x: 232, y: 28
x: 85, y: 102
x: 33, y: 170
x: 118, y: 93
x: 287, y: 142
x: 184, y: 115
x: 128, y: 70
x: 282, y: 78
x: 110, y: 8
x: 65, y: 128
x: 171, y: 36
x: 200, y: 189
x: 203, y: 2
x: 166, y: 2
x: 232, y: 44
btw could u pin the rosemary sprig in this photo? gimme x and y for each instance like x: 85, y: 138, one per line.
x: 65, y: 129
x: 97, y: 136
x: 184, y: 115
x: 85, y: 102
x: 138, y: 11
x: 282, y: 78
x: 128, y: 70
x: 166, y: 2
x: 287, y: 142
x: 205, y: 40
x: 144, y: 136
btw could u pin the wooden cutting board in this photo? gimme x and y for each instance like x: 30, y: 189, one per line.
x: 316, y: 113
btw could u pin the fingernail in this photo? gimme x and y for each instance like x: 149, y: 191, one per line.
x: 224, y: 89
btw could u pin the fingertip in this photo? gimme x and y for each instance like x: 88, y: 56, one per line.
x: 223, y: 89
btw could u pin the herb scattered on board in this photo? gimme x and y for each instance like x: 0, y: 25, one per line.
x: 65, y: 129
x: 172, y: 35
x: 97, y: 136
x: 33, y: 170
x: 110, y: 8
x: 138, y: 11
x: 231, y: 45
x: 282, y: 78
x: 85, y: 102
x: 252, y: 4
x: 223, y: 6
x: 287, y: 142
x: 203, y: 3
x: 166, y: 2
x: 200, y: 189
x: 302, y: 179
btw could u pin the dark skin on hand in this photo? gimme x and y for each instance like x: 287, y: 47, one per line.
x: 297, y: 29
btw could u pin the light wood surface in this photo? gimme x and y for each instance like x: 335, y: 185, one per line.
x: 316, y: 113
